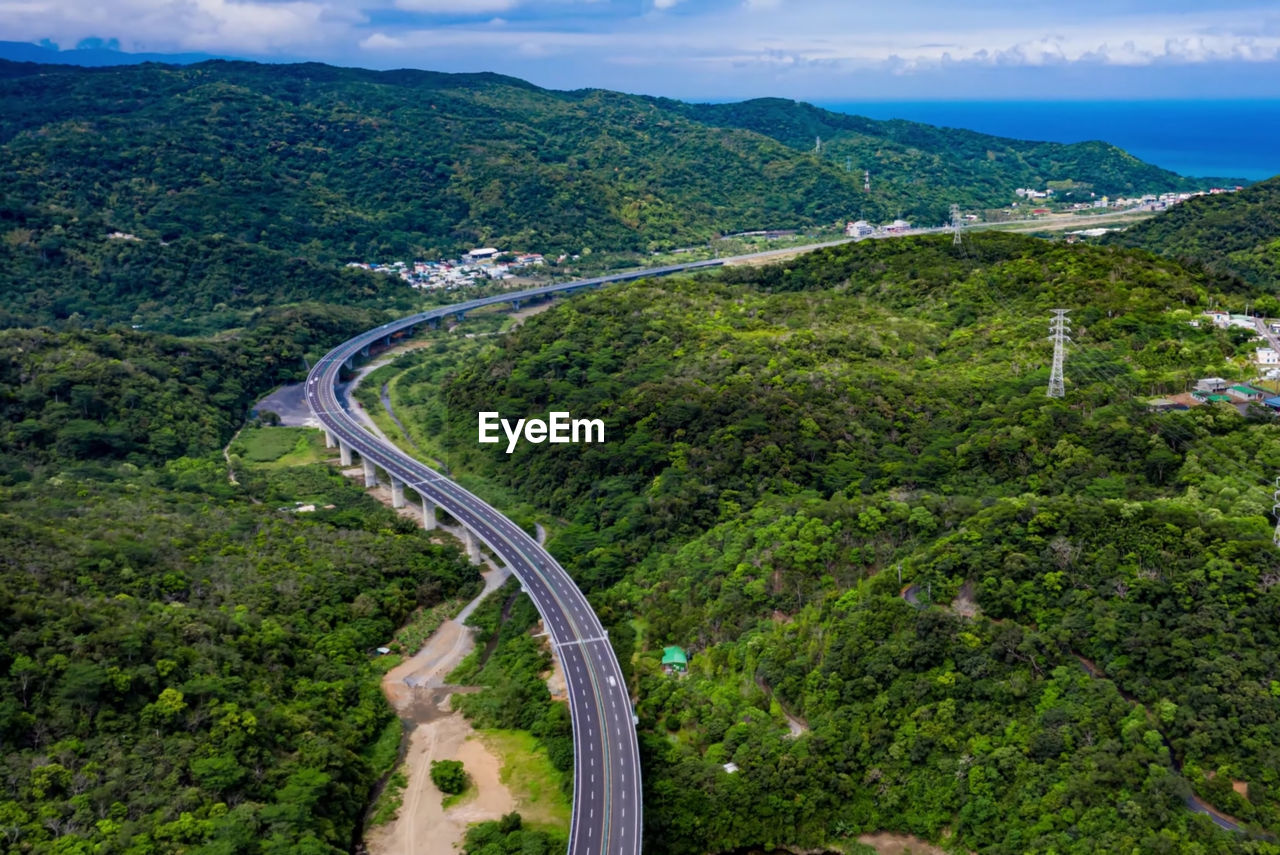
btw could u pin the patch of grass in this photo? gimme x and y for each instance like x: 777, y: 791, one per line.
x: 423, y: 623
x: 467, y: 795
x: 279, y: 446
x: 533, y: 781
x: 384, y: 751
x: 389, y: 800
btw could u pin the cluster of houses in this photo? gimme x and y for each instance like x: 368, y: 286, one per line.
x: 1145, y: 202
x: 477, y: 267
x: 1216, y: 390
x: 1266, y: 358
x: 863, y: 229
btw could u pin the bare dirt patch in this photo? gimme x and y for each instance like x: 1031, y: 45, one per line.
x: 899, y: 844
x: 965, y: 604
x: 423, y: 826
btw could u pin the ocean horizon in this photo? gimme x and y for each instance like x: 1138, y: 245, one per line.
x: 1221, y: 139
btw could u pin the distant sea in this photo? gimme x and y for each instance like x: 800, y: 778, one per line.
x: 1222, y: 139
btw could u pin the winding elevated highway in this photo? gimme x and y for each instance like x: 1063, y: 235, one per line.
x: 607, y: 808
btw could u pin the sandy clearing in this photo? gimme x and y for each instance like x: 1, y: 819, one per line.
x: 899, y: 844
x: 417, y: 690
x: 518, y: 317
x: 423, y: 826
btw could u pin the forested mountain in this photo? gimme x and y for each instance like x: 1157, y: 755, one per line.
x: 1231, y: 232
x: 232, y: 185
x: 117, y: 394
x: 926, y: 168
x: 184, y: 665
x: 1019, y: 623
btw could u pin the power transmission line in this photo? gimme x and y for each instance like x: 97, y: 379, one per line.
x: 1059, y: 329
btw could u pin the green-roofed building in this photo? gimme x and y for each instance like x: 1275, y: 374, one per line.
x: 674, y: 660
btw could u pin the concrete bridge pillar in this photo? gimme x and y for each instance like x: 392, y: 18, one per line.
x: 473, y: 545
x: 328, y: 440
x: 386, y: 341
x: 350, y: 362
x: 364, y: 351
x: 370, y: 474
x: 397, y: 492
x: 428, y: 514
x: 515, y: 304
x: 345, y: 451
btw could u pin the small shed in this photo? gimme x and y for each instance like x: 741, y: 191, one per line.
x: 1273, y: 403
x: 675, y: 660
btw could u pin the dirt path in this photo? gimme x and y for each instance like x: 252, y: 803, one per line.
x: 348, y: 391
x: 417, y: 689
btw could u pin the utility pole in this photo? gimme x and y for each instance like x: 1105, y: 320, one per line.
x: 1275, y: 509
x: 955, y: 224
x: 1059, y: 329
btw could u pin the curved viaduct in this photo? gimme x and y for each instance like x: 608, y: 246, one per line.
x: 607, y: 809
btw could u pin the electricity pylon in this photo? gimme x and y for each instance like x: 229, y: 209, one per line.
x: 955, y: 224
x: 1275, y: 509
x: 1059, y: 329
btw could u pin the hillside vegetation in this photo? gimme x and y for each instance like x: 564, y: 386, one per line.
x: 185, y: 664
x: 1083, y: 635
x: 232, y: 186
x: 1237, y: 233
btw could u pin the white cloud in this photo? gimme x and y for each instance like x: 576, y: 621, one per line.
x: 226, y: 26
x: 456, y: 7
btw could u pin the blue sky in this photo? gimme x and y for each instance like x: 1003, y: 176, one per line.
x: 822, y: 50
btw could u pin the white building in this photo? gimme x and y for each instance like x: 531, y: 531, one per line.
x: 1267, y: 356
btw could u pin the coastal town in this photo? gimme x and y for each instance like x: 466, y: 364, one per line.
x: 478, y: 267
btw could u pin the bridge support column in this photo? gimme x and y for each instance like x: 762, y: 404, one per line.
x: 370, y: 474
x: 328, y: 440
x: 473, y: 546
x: 344, y: 451
x: 428, y: 514
x: 364, y: 351
x: 397, y: 492
x: 515, y: 304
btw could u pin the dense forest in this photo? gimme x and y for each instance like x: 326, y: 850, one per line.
x: 1236, y: 233
x: 185, y: 663
x: 182, y: 198
x: 1010, y: 622
x: 100, y: 394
